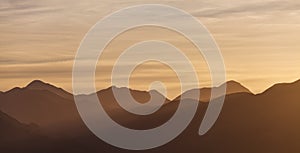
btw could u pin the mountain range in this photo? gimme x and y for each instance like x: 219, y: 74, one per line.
x: 41, y: 116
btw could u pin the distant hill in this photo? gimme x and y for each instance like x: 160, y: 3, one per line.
x: 205, y: 93
x: 17, y: 137
x: 39, y: 85
x: 11, y: 126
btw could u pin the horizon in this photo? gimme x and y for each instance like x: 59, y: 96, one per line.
x: 170, y: 98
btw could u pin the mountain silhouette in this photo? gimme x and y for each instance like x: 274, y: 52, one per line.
x: 205, y: 93
x: 17, y: 137
x: 39, y: 85
x: 9, y: 125
x: 52, y: 108
x: 31, y: 105
x: 265, y: 122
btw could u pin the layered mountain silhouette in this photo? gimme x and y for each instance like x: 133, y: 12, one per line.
x: 9, y: 125
x: 39, y: 85
x: 266, y: 122
x: 17, y: 137
x: 52, y: 108
x: 44, y: 106
x: 205, y: 93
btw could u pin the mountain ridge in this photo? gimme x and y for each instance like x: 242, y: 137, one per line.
x: 42, y: 85
x: 266, y: 122
x: 205, y: 93
x: 35, y: 84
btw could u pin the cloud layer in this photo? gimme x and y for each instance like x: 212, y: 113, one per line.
x: 259, y: 39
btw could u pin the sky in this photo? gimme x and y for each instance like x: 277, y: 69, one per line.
x: 259, y: 41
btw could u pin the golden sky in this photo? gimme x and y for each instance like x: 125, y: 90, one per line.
x: 259, y: 41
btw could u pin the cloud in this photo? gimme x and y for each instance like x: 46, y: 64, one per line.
x: 254, y: 8
x: 39, y: 38
x: 29, y: 61
x: 15, y: 10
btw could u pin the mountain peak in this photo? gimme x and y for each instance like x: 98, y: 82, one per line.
x: 40, y: 85
x: 283, y: 87
x: 13, y: 90
x: 141, y: 95
x: 205, y: 93
x: 37, y: 84
x: 297, y: 82
x: 233, y: 82
x: 234, y: 87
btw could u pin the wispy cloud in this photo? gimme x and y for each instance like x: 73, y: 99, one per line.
x: 39, y: 39
x: 250, y: 8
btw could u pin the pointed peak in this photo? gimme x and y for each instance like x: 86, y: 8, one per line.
x: 297, y: 82
x: 40, y: 85
x: 37, y: 83
x: 233, y: 82
x: 13, y: 90
x: 230, y: 83
x: 282, y: 86
x: 234, y: 86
